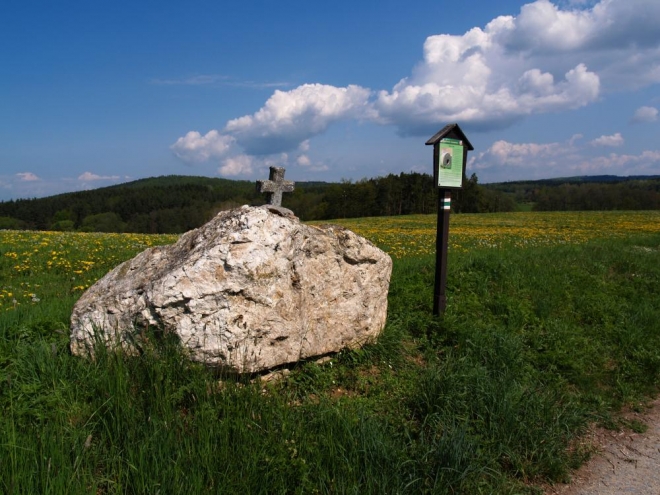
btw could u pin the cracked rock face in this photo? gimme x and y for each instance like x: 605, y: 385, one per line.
x: 251, y: 290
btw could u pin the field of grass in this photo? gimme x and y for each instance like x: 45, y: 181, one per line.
x: 551, y: 324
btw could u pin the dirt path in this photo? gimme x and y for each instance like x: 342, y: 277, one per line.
x: 625, y: 462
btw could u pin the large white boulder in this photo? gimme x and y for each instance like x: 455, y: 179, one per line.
x: 251, y: 290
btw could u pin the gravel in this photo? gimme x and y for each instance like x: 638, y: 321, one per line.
x: 625, y: 462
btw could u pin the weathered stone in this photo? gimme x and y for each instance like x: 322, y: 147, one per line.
x: 275, y: 186
x: 251, y: 290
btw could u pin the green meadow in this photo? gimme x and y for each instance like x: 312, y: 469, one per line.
x: 551, y: 325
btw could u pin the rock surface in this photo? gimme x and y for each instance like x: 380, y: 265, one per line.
x: 251, y: 290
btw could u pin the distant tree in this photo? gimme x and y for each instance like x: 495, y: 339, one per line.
x: 63, y: 226
x: 140, y: 224
x: 468, y: 198
x: 9, y: 223
x: 103, y: 222
x: 493, y: 201
x: 390, y: 195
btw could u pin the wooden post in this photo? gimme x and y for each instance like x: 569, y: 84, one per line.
x: 441, y: 248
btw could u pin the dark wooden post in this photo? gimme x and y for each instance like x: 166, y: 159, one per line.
x: 441, y: 248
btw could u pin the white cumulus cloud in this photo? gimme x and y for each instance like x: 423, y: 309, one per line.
x: 617, y: 39
x: 285, y: 123
x: 545, y: 59
x: 613, y: 140
x: 303, y: 161
x: 193, y: 147
x: 645, y: 114
x: 494, y: 76
x: 237, y: 165
x: 289, y: 118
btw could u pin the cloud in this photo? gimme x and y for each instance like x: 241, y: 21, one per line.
x: 495, y: 76
x: 546, y: 59
x: 197, y: 80
x: 417, y: 108
x: 89, y: 176
x: 237, y: 165
x: 545, y: 160
x: 289, y: 118
x: 246, y: 165
x: 551, y: 57
x: 303, y: 161
x: 193, y: 147
x: 525, y: 155
x: 28, y: 185
x: 617, y: 39
x: 613, y: 140
x: 285, y: 123
x: 578, y: 2
x: 645, y: 115
x: 27, y: 177
x: 574, y: 139
x: 646, y: 163
x: 544, y: 28
x: 216, y: 80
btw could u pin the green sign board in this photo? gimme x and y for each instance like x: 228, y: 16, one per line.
x: 449, y: 169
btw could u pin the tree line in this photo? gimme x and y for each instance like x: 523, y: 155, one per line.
x: 586, y: 193
x: 175, y: 204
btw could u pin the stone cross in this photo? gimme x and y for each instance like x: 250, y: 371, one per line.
x: 275, y: 186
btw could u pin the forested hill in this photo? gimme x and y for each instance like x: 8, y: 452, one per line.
x: 169, y: 204
x: 601, y: 192
x: 174, y: 204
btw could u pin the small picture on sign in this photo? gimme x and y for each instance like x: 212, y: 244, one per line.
x: 446, y: 157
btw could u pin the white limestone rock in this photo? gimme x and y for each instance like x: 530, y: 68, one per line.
x: 251, y: 290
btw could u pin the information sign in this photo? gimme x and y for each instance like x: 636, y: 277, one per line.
x: 449, y: 169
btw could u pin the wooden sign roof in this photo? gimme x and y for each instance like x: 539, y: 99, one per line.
x: 451, y: 131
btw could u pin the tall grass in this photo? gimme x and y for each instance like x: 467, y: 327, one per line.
x: 535, y: 343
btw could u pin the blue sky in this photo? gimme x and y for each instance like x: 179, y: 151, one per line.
x: 97, y: 93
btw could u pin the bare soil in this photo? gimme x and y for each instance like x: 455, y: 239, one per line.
x: 624, y: 462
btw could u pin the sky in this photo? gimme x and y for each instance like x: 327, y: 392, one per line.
x: 98, y: 93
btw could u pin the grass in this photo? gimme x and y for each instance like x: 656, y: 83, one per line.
x: 549, y: 326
